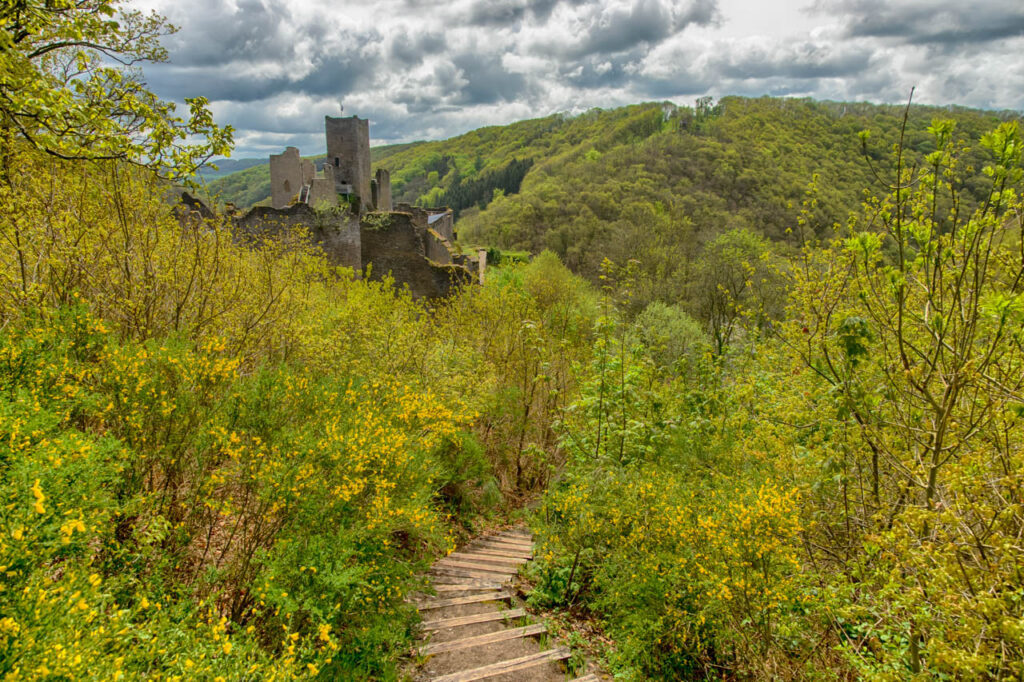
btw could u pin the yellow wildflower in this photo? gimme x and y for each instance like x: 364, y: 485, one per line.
x: 40, y: 497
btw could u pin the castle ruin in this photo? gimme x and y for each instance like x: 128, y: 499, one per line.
x: 364, y: 231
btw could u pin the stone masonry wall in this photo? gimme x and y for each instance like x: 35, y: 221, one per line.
x: 383, y: 199
x: 393, y: 243
x: 337, y: 233
x: 285, y: 176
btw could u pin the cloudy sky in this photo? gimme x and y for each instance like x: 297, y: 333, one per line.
x: 428, y: 69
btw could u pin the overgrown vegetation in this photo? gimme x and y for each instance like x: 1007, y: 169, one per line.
x: 765, y: 444
x: 838, y: 494
x: 225, y: 462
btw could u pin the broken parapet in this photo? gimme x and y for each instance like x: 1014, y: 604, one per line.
x: 336, y: 232
x: 382, y: 190
x: 394, y: 243
x: 286, y: 177
x: 437, y: 248
x: 193, y: 205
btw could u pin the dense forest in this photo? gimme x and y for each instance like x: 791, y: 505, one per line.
x: 759, y: 392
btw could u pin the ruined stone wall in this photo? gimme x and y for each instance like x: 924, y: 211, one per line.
x: 438, y: 249
x: 442, y: 221
x: 348, y: 150
x: 393, y: 243
x: 337, y: 233
x: 419, y: 215
x: 382, y: 201
x: 285, y: 177
x: 322, y: 193
x: 308, y: 171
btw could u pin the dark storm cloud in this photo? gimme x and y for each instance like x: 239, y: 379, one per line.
x: 332, y: 75
x: 217, y: 33
x: 802, y: 61
x: 644, y: 23
x: 924, y: 23
x: 408, y: 48
x: 214, y: 83
x: 511, y: 12
x: 487, y: 81
x: 337, y: 73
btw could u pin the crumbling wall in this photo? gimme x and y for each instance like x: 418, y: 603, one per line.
x: 438, y: 249
x: 308, y: 171
x: 191, y: 204
x: 336, y: 232
x: 322, y: 193
x: 285, y: 177
x: 442, y: 221
x: 393, y: 243
x: 348, y: 150
x: 382, y: 201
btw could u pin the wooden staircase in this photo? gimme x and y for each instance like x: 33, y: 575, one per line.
x: 473, y: 630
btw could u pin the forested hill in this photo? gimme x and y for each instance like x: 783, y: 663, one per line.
x: 651, y: 181
x: 654, y: 181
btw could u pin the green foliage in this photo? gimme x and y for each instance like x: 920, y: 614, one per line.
x: 251, y: 455
x: 71, y: 89
x: 479, y: 190
x: 836, y: 499
x: 672, y: 337
x: 737, y: 286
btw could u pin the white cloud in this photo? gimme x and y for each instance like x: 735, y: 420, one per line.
x: 419, y: 69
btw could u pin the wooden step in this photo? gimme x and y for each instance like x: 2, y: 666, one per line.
x: 464, y: 573
x: 510, y: 666
x: 481, y: 640
x: 459, y: 580
x: 441, y: 624
x: 456, y: 601
x: 461, y: 588
x: 524, y: 544
x: 514, y: 550
x: 500, y: 553
x: 465, y: 582
x: 488, y: 559
x: 510, y: 540
x: 473, y: 566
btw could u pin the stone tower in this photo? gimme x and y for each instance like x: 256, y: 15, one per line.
x: 348, y: 150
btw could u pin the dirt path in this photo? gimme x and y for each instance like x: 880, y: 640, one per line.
x: 474, y: 628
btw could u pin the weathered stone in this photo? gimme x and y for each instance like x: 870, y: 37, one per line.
x: 438, y: 248
x: 336, y: 232
x: 322, y: 194
x: 308, y: 171
x: 348, y: 150
x: 392, y: 243
x: 285, y: 177
x: 192, y: 203
x: 383, y: 199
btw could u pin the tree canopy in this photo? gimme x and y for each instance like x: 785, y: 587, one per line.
x: 70, y: 85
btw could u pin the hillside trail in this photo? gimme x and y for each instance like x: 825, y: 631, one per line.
x: 475, y: 627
